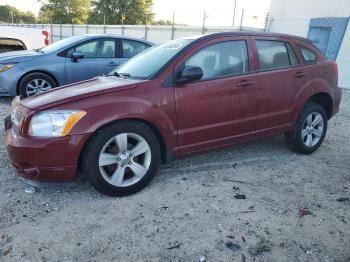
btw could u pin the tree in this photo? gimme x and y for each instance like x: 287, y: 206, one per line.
x: 10, y: 13
x: 132, y: 12
x: 64, y: 11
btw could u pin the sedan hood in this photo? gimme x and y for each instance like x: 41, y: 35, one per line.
x: 19, y: 56
x: 78, y: 91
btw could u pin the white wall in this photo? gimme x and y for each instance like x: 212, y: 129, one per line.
x: 343, y: 61
x: 293, y: 17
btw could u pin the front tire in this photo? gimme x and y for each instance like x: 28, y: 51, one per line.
x: 35, y: 83
x: 309, y: 131
x: 122, y: 158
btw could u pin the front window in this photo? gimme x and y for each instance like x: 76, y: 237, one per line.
x: 221, y: 60
x: 149, y: 62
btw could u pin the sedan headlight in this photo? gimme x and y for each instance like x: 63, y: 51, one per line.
x: 5, y: 67
x: 54, y: 123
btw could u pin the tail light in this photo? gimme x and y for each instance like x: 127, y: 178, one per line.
x: 46, y: 34
x: 335, y: 68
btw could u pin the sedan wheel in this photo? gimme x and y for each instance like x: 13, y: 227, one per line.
x: 37, y: 86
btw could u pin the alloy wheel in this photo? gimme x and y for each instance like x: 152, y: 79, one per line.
x: 125, y: 159
x: 37, y: 86
x: 312, y: 130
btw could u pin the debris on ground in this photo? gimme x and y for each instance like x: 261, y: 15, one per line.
x: 235, y: 188
x: 240, y: 196
x: 304, y: 211
x: 234, y: 247
x: 231, y: 237
x: 174, y: 246
x: 243, y: 238
x: 30, y: 190
x: 243, y: 258
x: 343, y: 199
x: 201, y: 259
x: 234, y: 165
x: 263, y: 245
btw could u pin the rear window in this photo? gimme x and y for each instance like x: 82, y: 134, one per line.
x: 308, y: 55
x: 275, y: 54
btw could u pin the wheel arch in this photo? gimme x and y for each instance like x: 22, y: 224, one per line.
x: 35, y: 71
x: 323, y: 99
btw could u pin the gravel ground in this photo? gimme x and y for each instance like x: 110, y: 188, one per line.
x: 189, y: 212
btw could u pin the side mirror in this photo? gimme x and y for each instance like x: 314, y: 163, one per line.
x: 189, y: 74
x: 76, y: 56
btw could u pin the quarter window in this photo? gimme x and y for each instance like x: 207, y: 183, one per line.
x: 275, y: 55
x: 132, y: 48
x: 221, y: 60
x: 308, y: 55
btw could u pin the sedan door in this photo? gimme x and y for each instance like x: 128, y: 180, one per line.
x: 220, y: 108
x: 99, y: 58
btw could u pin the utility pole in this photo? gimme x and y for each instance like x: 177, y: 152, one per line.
x: 234, y: 13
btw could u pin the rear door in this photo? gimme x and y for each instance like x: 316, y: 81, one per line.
x: 278, y: 73
x: 130, y: 48
x: 220, y: 108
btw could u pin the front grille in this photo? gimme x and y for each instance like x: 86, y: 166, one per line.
x: 16, y: 121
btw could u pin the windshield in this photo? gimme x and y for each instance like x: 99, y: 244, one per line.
x: 60, y: 44
x: 149, y: 62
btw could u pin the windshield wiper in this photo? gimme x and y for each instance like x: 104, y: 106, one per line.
x: 38, y: 50
x: 122, y: 75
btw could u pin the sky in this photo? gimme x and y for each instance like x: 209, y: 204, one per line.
x: 190, y: 12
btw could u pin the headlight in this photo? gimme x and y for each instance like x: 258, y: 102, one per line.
x: 54, y: 123
x: 5, y: 67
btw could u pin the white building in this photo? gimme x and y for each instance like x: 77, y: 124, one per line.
x: 325, y: 22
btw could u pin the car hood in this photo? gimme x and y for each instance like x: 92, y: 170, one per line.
x: 19, y: 56
x: 78, y: 91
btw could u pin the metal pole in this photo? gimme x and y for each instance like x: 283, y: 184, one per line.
x: 60, y: 30
x: 104, y: 24
x: 204, y: 18
x: 234, y: 14
x: 173, y: 28
x: 146, y: 27
x: 240, y: 27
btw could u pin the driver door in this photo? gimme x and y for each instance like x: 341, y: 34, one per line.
x: 99, y: 59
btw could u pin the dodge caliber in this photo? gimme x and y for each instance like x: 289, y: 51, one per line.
x: 179, y: 98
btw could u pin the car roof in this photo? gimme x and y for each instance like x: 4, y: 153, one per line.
x: 119, y: 37
x: 248, y: 33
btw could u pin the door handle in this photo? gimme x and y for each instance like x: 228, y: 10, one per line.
x: 300, y: 74
x: 245, y: 83
x: 112, y: 64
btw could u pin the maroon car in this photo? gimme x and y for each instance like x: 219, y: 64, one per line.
x: 179, y: 98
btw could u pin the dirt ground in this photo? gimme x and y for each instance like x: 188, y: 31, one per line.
x: 189, y: 212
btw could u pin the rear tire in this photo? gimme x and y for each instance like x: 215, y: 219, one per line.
x: 117, y: 170
x: 309, y: 131
x: 35, y: 83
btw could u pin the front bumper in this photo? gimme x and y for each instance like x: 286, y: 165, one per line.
x: 9, y: 80
x: 46, y: 160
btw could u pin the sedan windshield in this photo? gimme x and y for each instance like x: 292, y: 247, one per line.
x: 149, y: 62
x: 61, y: 44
